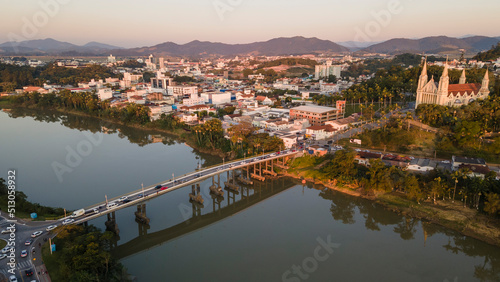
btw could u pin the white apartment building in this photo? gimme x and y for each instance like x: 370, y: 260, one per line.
x: 181, y: 91
x: 105, y: 93
x: 323, y: 71
x: 216, y: 98
x: 193, y: 101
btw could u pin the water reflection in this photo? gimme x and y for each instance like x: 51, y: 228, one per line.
x: 236, y: 202
x: 139, y: 136
x: 345, y: 211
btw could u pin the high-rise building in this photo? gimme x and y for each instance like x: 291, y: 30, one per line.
x: 324, y: 71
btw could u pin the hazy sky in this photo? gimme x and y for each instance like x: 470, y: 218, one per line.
x: 142, y: 23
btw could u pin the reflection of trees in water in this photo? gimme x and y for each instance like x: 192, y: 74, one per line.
x: 343, y: 209
x: 133, y: 135
x: 95, y: 125
x: 406, y: 228
x: 489, y: 270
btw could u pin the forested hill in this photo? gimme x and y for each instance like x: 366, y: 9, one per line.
x: 490, y: 55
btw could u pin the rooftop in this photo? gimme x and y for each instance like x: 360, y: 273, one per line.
x: 314, y: 109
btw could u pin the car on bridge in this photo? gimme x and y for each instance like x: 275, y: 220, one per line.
x: 123, y: 199
x: 164, y: 188
x: 67, y: 221
x: 37, y: 233
x: 158, y: 187
x: 96, y: 210
x: 111, y: 205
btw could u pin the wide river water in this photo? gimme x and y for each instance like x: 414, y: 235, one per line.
x: 278, y: 230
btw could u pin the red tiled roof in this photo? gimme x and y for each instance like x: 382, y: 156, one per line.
x: 454, y: 89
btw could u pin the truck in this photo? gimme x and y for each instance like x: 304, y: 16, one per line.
x: 78, y: 213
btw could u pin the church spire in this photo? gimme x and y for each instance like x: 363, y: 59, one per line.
x: 486, y: 80
x: 422, y: 81
x: 444, y: 82
x: 462, y: 78
x: 445, y: 72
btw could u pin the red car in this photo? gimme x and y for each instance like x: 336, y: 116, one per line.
x: 163, y: 188
x: 277, y: 153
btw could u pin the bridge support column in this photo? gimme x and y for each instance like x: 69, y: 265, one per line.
x: 195, y: 196
x: 216, y: 189
x: 111, y: 224
x: 231, y: 184
x: 140, y: 214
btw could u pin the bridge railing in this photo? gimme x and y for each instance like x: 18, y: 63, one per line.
x: 177, y: 177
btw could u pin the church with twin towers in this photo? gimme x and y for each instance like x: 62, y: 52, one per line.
x: 446, y: 94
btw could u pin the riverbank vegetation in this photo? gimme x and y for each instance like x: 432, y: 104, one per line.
x: 82, y: 254
x: 13, y: 77
x: 208, y: 137
x: 23, y: 207
x: 475, y: 200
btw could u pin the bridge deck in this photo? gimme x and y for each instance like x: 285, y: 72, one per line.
x: 150, y: 192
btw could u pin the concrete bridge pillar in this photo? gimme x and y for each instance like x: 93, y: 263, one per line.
x: 111, y: 224
x: 140, y: 214
x: 195, y: 196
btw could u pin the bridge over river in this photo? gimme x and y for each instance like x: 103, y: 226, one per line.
x: 257, y: 167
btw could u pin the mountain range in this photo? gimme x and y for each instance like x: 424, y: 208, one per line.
x: 434, y: 45
x: 51, y: 46
x: 278, y: 46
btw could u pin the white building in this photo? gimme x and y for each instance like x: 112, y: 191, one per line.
x: 329, y: 87
x: 182, y: 91
x: 320, y: 132
x: 105, y: 93
x: 324, y: 71
x: 193, y: 101
x: 289, y: 140
x: 284, y: 86
x: 422, y: 165
x: 216, y: 98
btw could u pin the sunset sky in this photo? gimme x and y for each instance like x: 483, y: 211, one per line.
x: 143, y: 23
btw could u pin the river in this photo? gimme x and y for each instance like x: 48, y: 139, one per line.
x: 278, y: 230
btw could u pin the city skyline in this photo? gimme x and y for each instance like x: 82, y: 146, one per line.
x: 128, y: 25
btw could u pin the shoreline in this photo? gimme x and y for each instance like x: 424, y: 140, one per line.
x: 453, y: 216
x: 216, y: 152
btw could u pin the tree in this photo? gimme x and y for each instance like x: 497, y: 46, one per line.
x: 379, y: 176
x: 412, y: 188
x: 492, y: 204
x: 247, y: 72
x: 341, y: 166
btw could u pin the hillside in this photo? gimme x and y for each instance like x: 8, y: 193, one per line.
x: 51, y: 46
x: 490, y: 55
x: 434, y: 45
x: 278, y: 46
